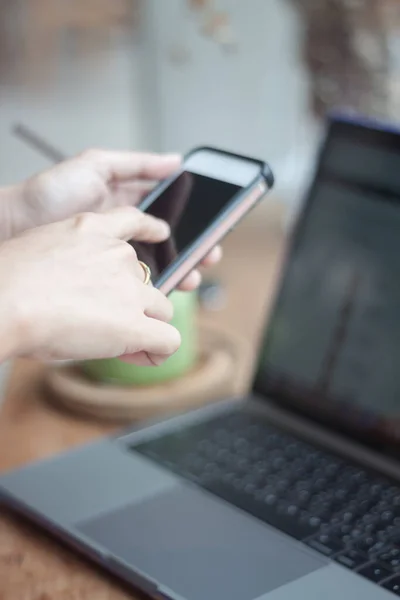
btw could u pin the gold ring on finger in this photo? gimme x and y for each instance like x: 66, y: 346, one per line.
x: 146, y: 271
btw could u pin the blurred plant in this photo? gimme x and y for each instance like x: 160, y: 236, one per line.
x: 216, y: 23
x: 8, y: 43
x: 33, y: 32
x: 346, y: 48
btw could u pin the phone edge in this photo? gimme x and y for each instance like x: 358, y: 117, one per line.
x: 227, y: 221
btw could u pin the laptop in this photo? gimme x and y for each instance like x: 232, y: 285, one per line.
x: 292, y: 493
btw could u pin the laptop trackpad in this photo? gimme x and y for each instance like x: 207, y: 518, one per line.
x: 199, y: 547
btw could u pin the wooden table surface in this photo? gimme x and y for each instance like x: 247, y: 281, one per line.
x: 34, y: 567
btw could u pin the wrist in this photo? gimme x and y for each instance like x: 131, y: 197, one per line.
x: 11, y: 329
x: 15, y: 318
x: 11, y: 212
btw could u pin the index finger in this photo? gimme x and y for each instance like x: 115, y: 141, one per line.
x: 126, y: 223
x: 123, y: 166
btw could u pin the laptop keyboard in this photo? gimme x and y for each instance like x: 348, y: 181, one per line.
x: 341, y: 510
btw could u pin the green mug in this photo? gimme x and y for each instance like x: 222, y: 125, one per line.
x: 116, y: 372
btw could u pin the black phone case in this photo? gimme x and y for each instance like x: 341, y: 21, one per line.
x: 266, y: 176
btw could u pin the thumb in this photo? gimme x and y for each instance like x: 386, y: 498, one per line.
x: 128, y: 222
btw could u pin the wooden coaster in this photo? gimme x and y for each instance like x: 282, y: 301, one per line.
x: 222, y: 359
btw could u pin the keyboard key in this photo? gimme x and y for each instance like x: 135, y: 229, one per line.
x: 325, y: 544
x: 393, y: 585
x: 286, y: 508
x: 374, y: 572
x: 352, y: 559
x: 271, y: 499
x: 314, y: 522
x: 371, y: 544
x: 342, y: 494
x: 387, y: 516
x: 390, y: 558
x: 302, y: 497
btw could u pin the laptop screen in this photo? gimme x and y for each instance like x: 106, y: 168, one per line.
x: 332, y: 347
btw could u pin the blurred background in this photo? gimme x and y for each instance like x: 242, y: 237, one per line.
x: 256, y: 76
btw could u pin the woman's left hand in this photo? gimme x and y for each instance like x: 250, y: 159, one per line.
x: 94, y: 181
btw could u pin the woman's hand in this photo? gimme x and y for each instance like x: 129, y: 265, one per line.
x: 74, y: 290
x: 94, y: 181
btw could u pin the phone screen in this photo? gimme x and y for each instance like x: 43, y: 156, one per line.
x: 189, y: 205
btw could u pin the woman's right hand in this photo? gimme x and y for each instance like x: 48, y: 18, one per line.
x: 74, y: 290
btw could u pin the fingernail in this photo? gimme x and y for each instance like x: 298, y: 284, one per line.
x: 156, y: 359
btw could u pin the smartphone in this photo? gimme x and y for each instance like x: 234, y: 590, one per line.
x: 202, y: 202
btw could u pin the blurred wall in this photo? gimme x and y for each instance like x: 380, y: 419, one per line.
x: 86, y: 104
x: 168, y: 87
